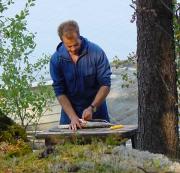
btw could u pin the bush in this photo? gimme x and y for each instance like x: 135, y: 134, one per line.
x: 19, y: 149
x: 10, y: 131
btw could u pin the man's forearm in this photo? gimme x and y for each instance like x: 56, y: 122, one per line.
x: 66, y: 105
x: 101, y: 95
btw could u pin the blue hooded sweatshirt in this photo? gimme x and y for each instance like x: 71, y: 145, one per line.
x: 80, y: 82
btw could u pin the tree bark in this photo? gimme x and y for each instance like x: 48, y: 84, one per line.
x: 157, y: 90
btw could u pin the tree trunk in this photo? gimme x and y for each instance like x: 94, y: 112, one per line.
x: 157, y: 91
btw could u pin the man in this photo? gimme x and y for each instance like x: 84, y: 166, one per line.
x: 81, y: 77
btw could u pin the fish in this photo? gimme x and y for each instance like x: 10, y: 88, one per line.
x: 94, y: 123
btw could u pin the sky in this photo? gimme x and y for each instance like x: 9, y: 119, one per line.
x: 106, y: 23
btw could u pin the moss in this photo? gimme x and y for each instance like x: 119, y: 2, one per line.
x: 74, y: 158
x: 18, y: 132
x: 10, y: 131
x: 12, y: 138
x: 15, y: 150
x: 77, y: 139
x: 115, y: 140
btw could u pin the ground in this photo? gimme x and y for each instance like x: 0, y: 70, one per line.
x: 96, y: 157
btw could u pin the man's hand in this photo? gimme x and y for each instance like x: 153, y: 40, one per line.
x: 87, y: 113
x: 75, y: 123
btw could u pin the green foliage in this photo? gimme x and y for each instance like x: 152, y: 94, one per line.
x: 127, y: 79
x: 17, y: 98
x: 116, y: 62
x: 115, y: 140
x: 10, y: 131
x: 13, y: 133
x: 130, y: 62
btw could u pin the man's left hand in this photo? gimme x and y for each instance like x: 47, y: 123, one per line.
x: 87, y: 113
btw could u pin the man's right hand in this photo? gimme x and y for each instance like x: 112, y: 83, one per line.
x: 75, y: 123
x: 66, y: 105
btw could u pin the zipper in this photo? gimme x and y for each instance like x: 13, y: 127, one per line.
x: 76, y: 76
x: 75, y: 68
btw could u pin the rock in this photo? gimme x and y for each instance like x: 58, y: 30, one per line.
x: 48, y: 150
x: 72, y: 168
x: 87, y: 165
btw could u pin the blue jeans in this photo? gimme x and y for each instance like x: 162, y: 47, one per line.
x: 65, y: 119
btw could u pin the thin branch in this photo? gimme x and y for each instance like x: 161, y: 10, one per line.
x: 132, y: 7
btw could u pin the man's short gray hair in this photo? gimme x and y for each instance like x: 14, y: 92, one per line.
x: 68, y: 26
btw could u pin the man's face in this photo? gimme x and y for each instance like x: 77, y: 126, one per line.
x: 72, y: 43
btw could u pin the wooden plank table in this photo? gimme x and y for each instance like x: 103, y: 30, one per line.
x: 128, y: 131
